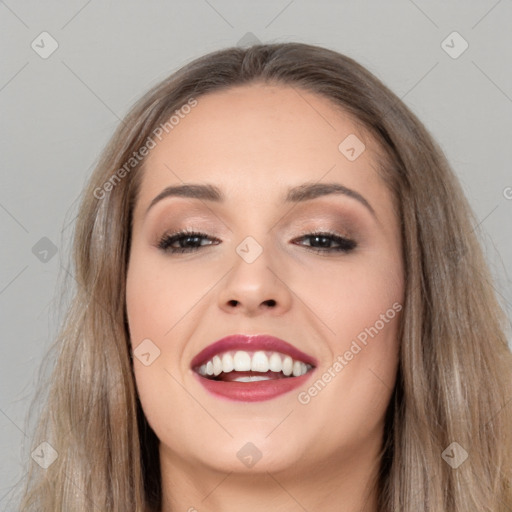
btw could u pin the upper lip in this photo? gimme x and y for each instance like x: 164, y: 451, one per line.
x: 251, y: 343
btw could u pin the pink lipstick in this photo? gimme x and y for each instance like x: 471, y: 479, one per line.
x: 252, y: 367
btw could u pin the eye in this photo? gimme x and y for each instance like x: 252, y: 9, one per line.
x: 190, y: 241
x: 184, y: 239
x: 323, y: 239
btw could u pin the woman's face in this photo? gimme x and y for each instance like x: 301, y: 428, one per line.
x: 258, y: 270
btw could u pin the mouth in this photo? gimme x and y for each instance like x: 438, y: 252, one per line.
x: 252, y: 368
x: 245, y: 366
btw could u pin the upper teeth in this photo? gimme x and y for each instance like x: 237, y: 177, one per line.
x: 260, y: 361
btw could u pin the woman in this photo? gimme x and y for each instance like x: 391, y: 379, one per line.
x: 335, y: 344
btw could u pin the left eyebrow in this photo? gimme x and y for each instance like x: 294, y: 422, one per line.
x: 300, y: 193
x: 309, y: 191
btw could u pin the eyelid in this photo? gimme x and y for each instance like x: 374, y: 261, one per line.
x: 323, y: 212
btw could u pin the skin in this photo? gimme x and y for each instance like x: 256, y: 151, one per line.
x: 254, y: 142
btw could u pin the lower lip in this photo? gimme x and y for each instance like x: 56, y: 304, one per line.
x: 253, y: 391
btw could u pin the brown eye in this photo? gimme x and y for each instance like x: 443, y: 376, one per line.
x: 188, y: 241
x: 323, y: 240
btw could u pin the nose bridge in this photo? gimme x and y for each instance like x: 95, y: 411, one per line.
x: 254, y: 282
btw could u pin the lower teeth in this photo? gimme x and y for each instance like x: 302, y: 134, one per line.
x: 251, y: 378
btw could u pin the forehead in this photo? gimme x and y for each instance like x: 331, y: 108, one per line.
x: 256, y: 140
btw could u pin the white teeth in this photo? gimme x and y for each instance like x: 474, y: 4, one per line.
x: 259, y: 362
x: 275, y: 364
x: 287, y: 366
x: 251, y: 378
x: 227, y: 363
x: 242, y: 361
x: 217, y: 365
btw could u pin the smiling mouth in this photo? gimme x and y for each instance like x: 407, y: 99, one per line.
x: 249, y: 366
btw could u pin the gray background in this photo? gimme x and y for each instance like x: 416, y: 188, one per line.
x: 57, y: 114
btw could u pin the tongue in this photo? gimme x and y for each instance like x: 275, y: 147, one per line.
x: 231, y: 376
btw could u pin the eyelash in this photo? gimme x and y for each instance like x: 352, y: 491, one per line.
x: 346, y: 245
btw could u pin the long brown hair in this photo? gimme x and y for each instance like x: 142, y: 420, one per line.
x: 455, y: 369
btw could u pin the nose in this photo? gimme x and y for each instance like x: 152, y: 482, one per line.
x: 255, y: 288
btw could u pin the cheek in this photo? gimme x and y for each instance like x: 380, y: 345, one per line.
x: 361, y: 306
x: 157, y: 298
x: 369, y: 328
x: 154, y: 306
x: 353, y: 389
x: 352, y: 296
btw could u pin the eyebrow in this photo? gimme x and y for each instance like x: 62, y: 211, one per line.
x: 297, y: 194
